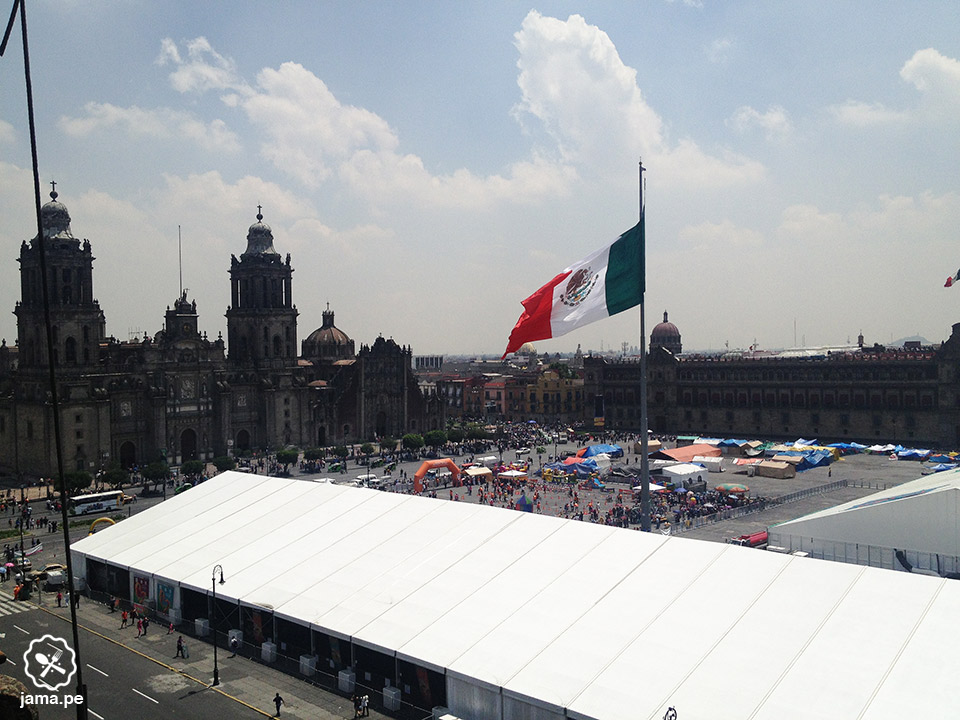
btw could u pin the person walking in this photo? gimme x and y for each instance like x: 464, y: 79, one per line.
x: 59, y: 599
x: 123, y: 619
x: 234, y: 644
x: 146, y: 624
x: 139, y: 628
x: 278, y: 701
x: 180, y: 647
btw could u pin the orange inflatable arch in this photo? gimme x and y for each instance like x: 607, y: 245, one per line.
x: 430, y: 465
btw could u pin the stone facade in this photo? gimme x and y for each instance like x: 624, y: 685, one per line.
x: 177, y: 394
x: 867, y: 395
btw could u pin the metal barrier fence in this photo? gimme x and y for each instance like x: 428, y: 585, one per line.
x: 733, y: 513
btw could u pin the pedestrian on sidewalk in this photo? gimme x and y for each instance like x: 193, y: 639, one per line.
x: 123, y: 619
x: 59, y: 599
x: 278, y: 701
x: 139, y: 628
x: 146, y: 624
x: 234, y: 644
x: 180, y: 647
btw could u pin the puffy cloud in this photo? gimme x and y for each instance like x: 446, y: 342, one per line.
x: 935, y: 76
x: 161, y: 123
x: 723, y: 236
x: 203, y: 69
x: 589, y: 103
x: 861, y: 114
x: 775, y: 122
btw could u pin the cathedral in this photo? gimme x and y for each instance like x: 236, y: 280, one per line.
x: 178, y: 395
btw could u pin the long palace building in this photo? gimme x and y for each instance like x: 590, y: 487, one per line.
x: 178, y: 395
x: 864, y: 394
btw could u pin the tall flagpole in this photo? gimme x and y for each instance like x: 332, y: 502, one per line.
x: 644, y: 444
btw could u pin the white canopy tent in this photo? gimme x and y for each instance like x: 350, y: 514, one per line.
x: 522, y: 615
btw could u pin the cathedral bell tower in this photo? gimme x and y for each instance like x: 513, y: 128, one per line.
x: 261, y: 319
x: 78, y: 322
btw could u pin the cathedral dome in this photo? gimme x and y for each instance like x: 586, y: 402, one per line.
x: 665, y: 335
x: 260, y: 238
x: 55, y: 219
x: 328, y: 342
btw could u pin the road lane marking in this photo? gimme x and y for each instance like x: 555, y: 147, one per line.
x: 93, y: 713
x: 146, y: 696
x: 97, y: 669
x: 25, y: 632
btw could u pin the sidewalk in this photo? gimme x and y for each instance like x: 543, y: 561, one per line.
x: 249, y: 683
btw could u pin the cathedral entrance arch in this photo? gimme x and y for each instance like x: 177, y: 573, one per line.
x: 188, y: 445
x: 128, y: 455
x: 381, y: 428
x: 243, y: 440
x: 321, y: 436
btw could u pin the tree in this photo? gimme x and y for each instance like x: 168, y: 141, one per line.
x: 223, y: 463
x: 367, y: 449
x: 77, y: 480
x: 455, y: 435
x: 412, y: 441
x: 435, y: 438
x: 341, y: 452
x: 156, y: 472
x: 314, y: 454
x: 114, y: 476
x: 475, y: 431
x: 286, y: 457
x: 193, y: 468
x: 388, y: 444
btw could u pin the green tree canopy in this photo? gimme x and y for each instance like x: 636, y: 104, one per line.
x: 388, y: 444
x: 193, y: 468
x: 368, y: 449
x: 475, y: 431
x: 412, y: 441
x: 435, y: 438
x: 313, y: 453
x: 224, y: 462
x: 287, y: 457
x: 115, y: 476
x: 341, y: 452
x: 77, y: 480
x: 455, y: 435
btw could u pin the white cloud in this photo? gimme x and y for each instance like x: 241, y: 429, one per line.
x: 935, y: 76
x: 203, y: 69
x: 775, y: 122
x: 720, y: 237
x: 718, y: 51
x: 574, y: 83
x: 159, y: 123
x: 7, y: 133
x: 861, y: 114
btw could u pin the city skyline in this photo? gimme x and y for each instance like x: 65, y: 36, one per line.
x: 429, y: 166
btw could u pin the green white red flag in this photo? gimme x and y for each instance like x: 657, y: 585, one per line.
x: 603, y: 284
x: 951, y: 281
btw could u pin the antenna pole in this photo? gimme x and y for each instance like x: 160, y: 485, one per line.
x: 180, y: 258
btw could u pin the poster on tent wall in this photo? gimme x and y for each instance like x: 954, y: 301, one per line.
x: 164, y: 597
x: 141, y: 588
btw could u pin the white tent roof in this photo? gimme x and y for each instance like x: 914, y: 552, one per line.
x: 922, y: 515
x: 560, y: 613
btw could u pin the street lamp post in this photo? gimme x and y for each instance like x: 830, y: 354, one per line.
x: 213, y: 623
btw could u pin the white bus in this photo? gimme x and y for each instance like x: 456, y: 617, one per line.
x: 97, y: 502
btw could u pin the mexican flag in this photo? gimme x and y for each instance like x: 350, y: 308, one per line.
x: 952, y: 280
x: 603, y: 284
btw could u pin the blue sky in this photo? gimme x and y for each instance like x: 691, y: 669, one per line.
x: 430, y: 164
